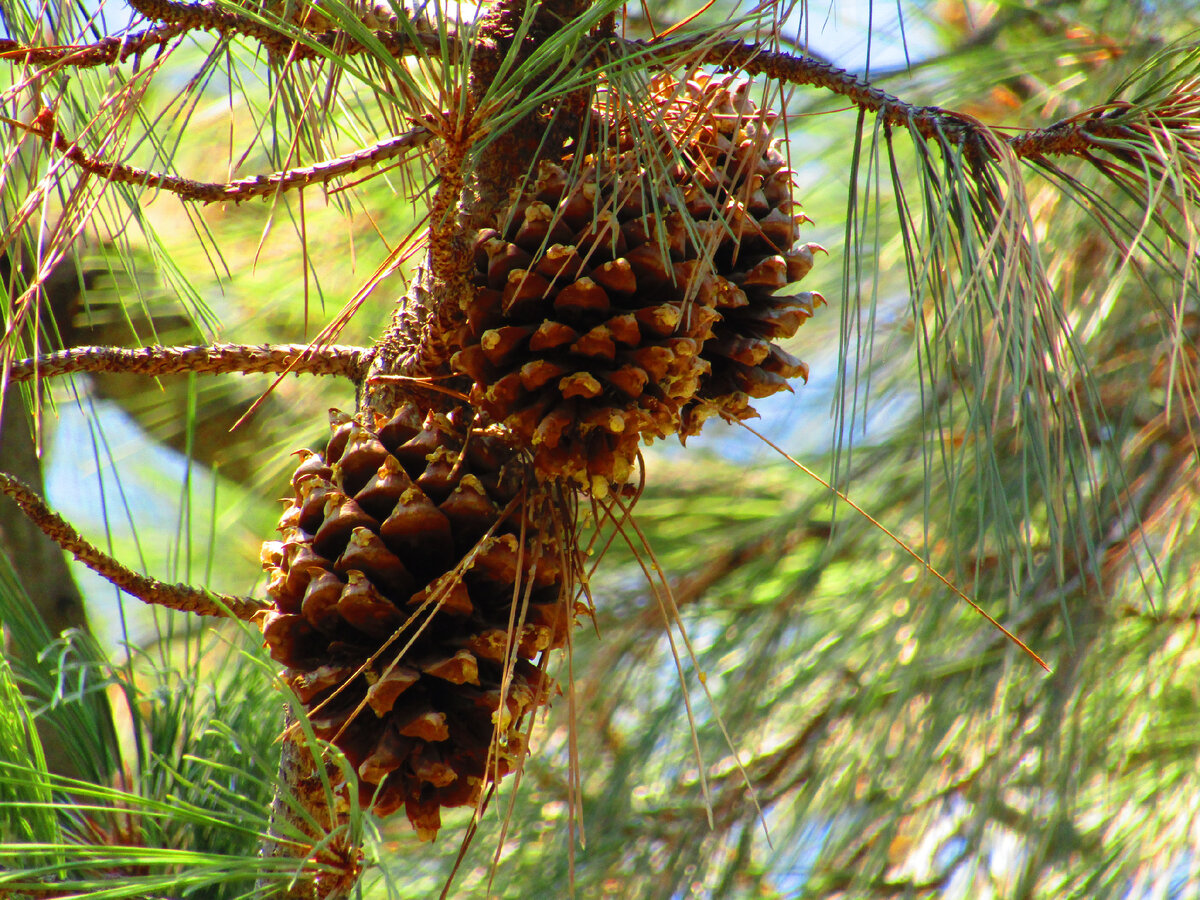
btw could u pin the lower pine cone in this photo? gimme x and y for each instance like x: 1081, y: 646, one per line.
x: 416, y: 595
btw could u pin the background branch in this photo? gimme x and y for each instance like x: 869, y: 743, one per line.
x: 179, y: 597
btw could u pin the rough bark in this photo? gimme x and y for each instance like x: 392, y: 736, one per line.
x: 301, y: 819
x: 473, y: 190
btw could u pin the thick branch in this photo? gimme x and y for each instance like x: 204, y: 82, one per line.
x: 181, y: 597
x: 473, y: 187
x: 241, y: 189
x: 337, y: 359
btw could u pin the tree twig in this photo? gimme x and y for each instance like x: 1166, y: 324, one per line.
x: 337, y: 359
x: 180, y: 597
x: 241, y: 189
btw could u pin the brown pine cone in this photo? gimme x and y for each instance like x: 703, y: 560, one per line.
x: 613, y: 306
x: 738, y: 189
x: 584, y: 332
x: 393, y: 589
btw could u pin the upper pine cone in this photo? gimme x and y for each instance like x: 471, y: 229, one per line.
x: 393, y: 589
x: 614, y: 303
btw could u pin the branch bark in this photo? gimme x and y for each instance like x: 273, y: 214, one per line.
x: 303, y: 44
x: 300, y: 821
x: 180, y: 597
x: 103, y: 52
x: 297, y: 359
x: 239, y: 189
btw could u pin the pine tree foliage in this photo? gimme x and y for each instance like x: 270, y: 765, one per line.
x: 781, y: 695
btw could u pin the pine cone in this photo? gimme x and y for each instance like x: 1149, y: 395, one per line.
x: 393, y: 589
x: 611, y: 306
x: 582, y: 336
x: 737, y: 188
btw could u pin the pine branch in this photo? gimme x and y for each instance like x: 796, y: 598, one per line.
x: 206, y: 16
x: 1079, y: 135
x: 931, y: 122
x: 103, y: 52
x: 297, y: 359
x: 1085, y: 133
x: 1150, y: 151
x: 238, y: 190
x: 799, y: 69
x: 180, y: 597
